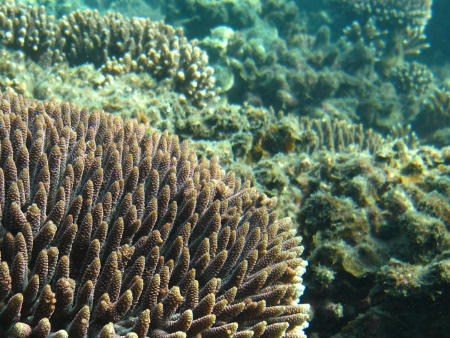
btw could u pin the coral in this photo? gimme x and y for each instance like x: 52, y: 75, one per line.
x: 138, y: 96
x: 414, y: 13
x: 366, y: 71
x: 116, y: 44
x: 200, y: 16
x: 282, y: 14
x: 339, y: 136
x: 269, y: 174
x: 434, y: 112
x: 171, y: 246
x: 393, y: 27
x: 243, y: 133
x: 412, y: 82
x: 304, y: 73
x: 375, y: 228
x: 368, y: 33
x: 307, y: 135
x: 285, y: 152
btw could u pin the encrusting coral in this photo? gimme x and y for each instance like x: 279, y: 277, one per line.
x: 111, y: 42
x: 109, y: 230
x: 376, y: 233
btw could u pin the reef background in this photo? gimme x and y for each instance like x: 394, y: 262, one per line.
x: 345, y: 122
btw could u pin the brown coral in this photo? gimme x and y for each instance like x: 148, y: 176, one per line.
x: 110, y: 230
x: 376, y: 230
x: 111, y: 42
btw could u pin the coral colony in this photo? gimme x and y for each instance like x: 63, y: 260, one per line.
x: 110, y: 230
x: 112, y: 42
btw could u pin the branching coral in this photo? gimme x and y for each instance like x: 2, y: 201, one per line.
x: 110, y: 230
x: 412, y: 78
x: 434, y: 113
x: 392, y: 27
x: 415, y: 13
x: 112, y: 42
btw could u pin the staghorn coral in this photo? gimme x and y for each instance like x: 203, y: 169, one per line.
x: 287, y: 134
x: 110, y: 230
x: 113, y: 43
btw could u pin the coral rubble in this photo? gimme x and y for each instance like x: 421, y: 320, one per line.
x: 109, y: 230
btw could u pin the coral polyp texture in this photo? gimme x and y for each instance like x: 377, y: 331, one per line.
x: 113, y: 43
x: 110, y: 230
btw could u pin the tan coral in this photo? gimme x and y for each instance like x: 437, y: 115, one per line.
x: 113, y: 43
x: 105, y: 222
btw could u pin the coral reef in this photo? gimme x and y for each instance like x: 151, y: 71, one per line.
x: 412, y: 13
x: 295, y: 71
x: 412, y: 78
x: 366, y: 70
x: 136, y: 96
x: 433, y: 118
x: 171, y: 246
x: 393, y: 27
x: 258, y: 144
x: 304, y: 72
x: 375, y: 228
x: 112, y: 42
x: 199, y: 16
x: 303, y: 83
